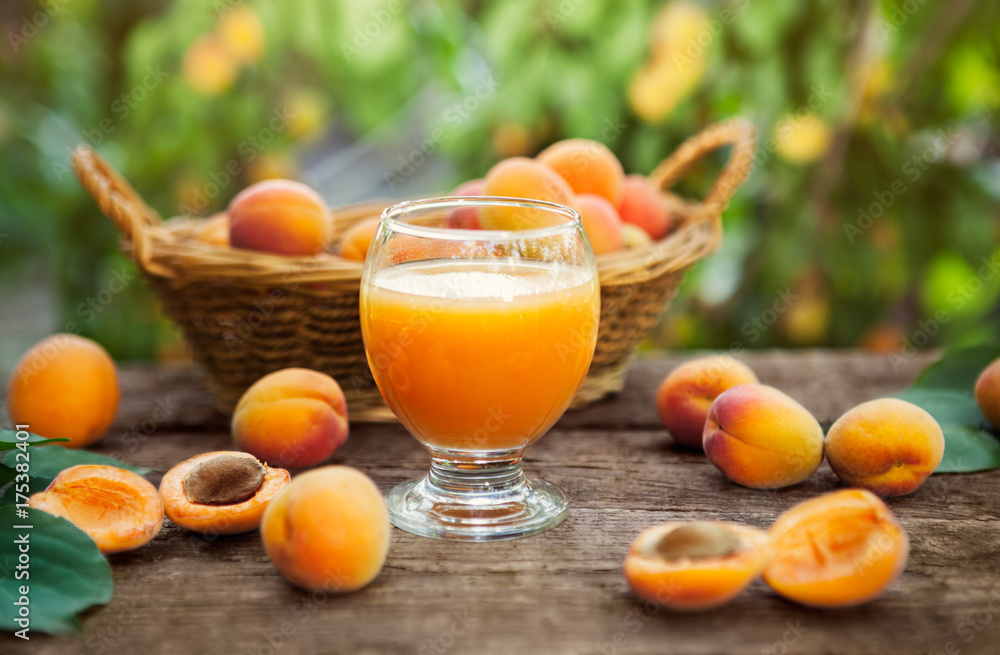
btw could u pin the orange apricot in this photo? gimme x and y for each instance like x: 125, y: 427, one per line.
x: 843, y: 548
x: 222, y: 492
x: 642, y: 205
x: 215, y: 230
x: 118, y: 509
x: 328, y: 530
x: 988, y: 393
x: 687, y: 393
x: 601, y: 223
x: 760, y: 438
x: 588, y: 166
x: 293, y: 417
x: 65, y: 386
x: 519, y: 177
x: 696, y: 565
x: 467, y: 218
x: 280, y: 216
x: 888, y: 446
x: 356, y: 239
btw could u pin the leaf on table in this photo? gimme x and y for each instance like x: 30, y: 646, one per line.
x: 959, y: 368
x: 9, y: 440
x: 48, y: 462
x: 968, y: 447
x: 67, y: 572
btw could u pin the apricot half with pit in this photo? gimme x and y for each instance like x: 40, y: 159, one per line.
x: 696, y: 565
x: 220, y: 492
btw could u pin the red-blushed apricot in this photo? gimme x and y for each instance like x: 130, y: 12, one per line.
x: 280, y: 216
x: 843, y: 548
x: 66, y: 387
x: 222, y: 492
x: 642, y: 205
x: 760, y: 438
x: 467, y: 218
x: 888, y: 446
x: 328, y: 530
x: 293, y: 417
x: 215, y: 231
x: 687, y: 393
x: 988, y: 393
x: 118, y: 509
x: 635, y: 236
x: 696, y: 565
x: 601, y: 223
x: 588, y: 167
x: 520, y: 177
x: 356, y: 239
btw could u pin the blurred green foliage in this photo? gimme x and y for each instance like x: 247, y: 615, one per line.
x: 872, y: 205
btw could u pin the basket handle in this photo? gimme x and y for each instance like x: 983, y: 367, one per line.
x: 117, y: 200
x: 736, y: 132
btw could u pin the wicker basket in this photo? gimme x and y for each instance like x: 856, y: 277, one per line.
x: 246, y: 314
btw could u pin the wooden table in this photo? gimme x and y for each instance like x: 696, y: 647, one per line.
x: 559, y: 592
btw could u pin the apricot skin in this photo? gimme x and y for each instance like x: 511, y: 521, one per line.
x: 519, y: 177
x: 888, y: 446
x: 291, y: 418
x: 356, y: 239
x: 328, y: 530
x: 641, y: 205
x: 118, y: 509
x: 601, y: 223
x: 280, y: 216
x: 687, y: 393
x: 760, y: 438
x: 217, y: 519
x: 215, y: 230
x: 65, y: 386
x: 587, y: 166
x: 467, y: 218
x: 840, y: 549
x: 988, y: 393
x: 695, y: 584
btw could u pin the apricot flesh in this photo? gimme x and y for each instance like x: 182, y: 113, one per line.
x: 888, y: 446
x: 65, y: 386
x: 988, y: 393
x: 687, y: 393
x: 696, y: 565
x: 587, y: 166
x: 840, y: 549
x: 328, y: 530
x: 280, y: 216
x: 234, y: 510
x: 118, y: 509
x: 357, y: 238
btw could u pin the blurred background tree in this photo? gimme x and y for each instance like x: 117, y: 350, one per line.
x: 873, y: 202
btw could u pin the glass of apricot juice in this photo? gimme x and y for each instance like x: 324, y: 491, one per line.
x: 479, y: 317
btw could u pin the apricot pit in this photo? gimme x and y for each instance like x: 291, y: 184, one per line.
x: 224, y: 480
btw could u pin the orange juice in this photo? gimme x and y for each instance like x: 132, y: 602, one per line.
x: 479, y: 355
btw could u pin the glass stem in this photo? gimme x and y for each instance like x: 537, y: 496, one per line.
x: 458, y: 477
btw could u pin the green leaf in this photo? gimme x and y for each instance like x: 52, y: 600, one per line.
x: 9, y: 440
x: 967, y: 446
x: 959, y: 368
x: 48, y: 462
x: 66, y: 574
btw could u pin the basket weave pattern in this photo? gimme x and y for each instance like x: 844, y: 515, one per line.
x: 246, y: 314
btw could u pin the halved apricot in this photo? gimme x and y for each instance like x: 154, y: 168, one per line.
x: 840, y: 549
x: 696, y: 565
x: 118, y: 509
x: 222, y: 492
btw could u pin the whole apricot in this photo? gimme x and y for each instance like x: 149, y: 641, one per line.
x: 635, y: 236
x: 65, y: 386
x: 215, y: 231
x: 328, y: 530
x: 280, y: 216
x: 696, y: 565
x: 760, y: 438
x: 843, y: 548
x: 887, y: 445
x: 687, y: 393
x: 467, y: 218
x: 519, y: 177
x: 642, y: 205
x: 601, y: 223
x: 587, y: 166
x: 356, y: 239
x: 988, y: 393
x: 293, y: 417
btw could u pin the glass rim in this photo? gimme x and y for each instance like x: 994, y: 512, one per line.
x: 391, y: 218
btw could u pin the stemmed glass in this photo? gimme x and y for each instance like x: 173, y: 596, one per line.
x: 478, y: 339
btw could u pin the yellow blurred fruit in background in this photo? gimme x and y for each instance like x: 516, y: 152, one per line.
x: 308, y: 112
x: 676, y: 29
x: 511, y: 140
x: 657, y: 88
x: 208, y: 66
x: 242, y: 34
x: 272, y: 167
x: 801, y: 137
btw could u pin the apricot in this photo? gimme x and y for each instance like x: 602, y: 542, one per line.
x: 356, y: 239
x: 280, y: 216
x: 696, y: 565
x: 208, y: 66
x: 635, y: 236
x: 220, y: 492
x: 215, y: 231
x: 843, y: 548
x: 687, y: 393
x: 588, y: 167
x: 242, y: 34
x: 601, y: 223
x: 118, y: 509
x: 519, y: 177
x: 293, y: 417
x: 887, y: 445
x: 328, y: 530
x: 760, y: 438
x: 467, y: 218
x: 66, y: 387
x: 642, y: 205
x: 988, y: 393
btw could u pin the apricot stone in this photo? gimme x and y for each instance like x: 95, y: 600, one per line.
x: 601, y: 223
x: 280, y: 216
x: 587, y: 166
x: 65, y: 386
x: 328, y: 530
x: 988, y: 393
x: 642, y: 205
x: 686, y: 395
x: 888, y: 446
x: 760, y: 438
x: 293, y: 418
x: 356, y: 239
